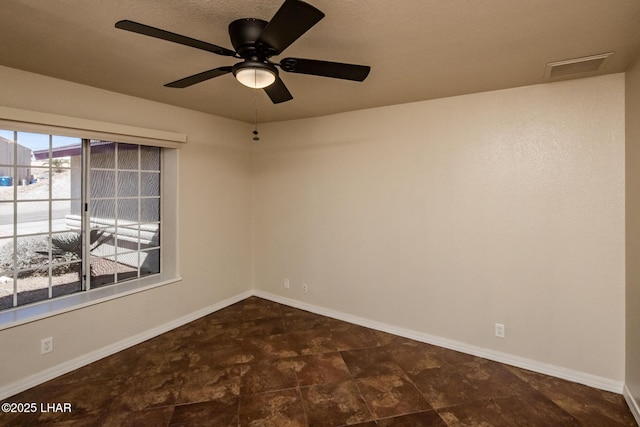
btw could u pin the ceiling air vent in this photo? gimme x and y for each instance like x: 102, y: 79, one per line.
x: 578, y: 67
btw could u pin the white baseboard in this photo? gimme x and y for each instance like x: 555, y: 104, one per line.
x: 632, y: 402
x: 509, y: 359
x: 63, y: 368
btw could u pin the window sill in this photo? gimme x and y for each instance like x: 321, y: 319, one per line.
x: 41, y: 310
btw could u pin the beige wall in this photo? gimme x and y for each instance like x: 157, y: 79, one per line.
x: 447, y: 216
x: 632, y: 376
x: 443, y: 217
x: 214, y: 205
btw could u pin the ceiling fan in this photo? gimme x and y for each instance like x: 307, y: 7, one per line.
x: 255, y: 41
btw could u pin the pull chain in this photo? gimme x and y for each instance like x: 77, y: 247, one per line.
x: 255, y: 129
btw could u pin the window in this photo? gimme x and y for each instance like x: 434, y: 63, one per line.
x: 124, y: 206
x: 75, y: 215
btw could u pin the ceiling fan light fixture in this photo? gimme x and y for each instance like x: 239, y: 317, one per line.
x: 255, y: 74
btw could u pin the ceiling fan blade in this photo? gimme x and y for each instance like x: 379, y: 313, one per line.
x: 293, y: 19
x: 200, y: 77
x: 336, y: 70
x: 146, y: 30
x: 278, y: 92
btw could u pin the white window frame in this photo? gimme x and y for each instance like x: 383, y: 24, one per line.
x: 28, y: 121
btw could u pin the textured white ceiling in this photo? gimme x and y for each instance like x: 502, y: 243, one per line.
x: 418, y: 49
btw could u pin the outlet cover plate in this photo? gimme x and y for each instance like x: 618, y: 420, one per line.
x: 499, y: 330
x: 46, y: 345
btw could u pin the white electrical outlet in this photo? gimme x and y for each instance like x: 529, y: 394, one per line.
x: 305, y: 288
x: 499, y: 330
x: 286, y: 283
x: 46, y: 345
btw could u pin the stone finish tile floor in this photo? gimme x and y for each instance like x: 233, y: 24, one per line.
x: 260, y: 364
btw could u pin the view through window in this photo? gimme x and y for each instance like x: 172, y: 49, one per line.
x: 75, y: 215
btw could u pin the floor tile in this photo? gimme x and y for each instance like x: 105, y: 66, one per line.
x: 313, y: 341
x: 230, y: 314
x: 256, y: 308
x: 210, y: 333
x: 419, y: 419
x: 259, y: 363
x: 323, y: 368
x: 453, y: 357
x: 218, y: 412
x: 589, y: 405
x: 262, y: 327
x: 334, y: 404
x: 491, y: 379
x: 370, y: 362
x: 89, y: 400
x: 22, y: 418
x: 270, y: 347
x: 367, y: 424
x: 267, y: 375
x: 204, y: 383
x: 272, y: 409
x: 299, y: 321
x: 533, y: 410
x: 352, y: 337
x: 148, y: 391
x: 226, y: 354
x: 477, y: 413
x: 390, y: 395
x: 158, y: 417
x: 444, y: 386
x: 414, y: 357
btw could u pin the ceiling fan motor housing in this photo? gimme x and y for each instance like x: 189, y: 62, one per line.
x: 244, y: 34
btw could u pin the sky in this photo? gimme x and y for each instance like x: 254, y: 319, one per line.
x: 38, y: 141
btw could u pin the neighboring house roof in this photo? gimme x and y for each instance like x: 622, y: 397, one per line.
x: 70, y: 150
x: 63, y: 151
